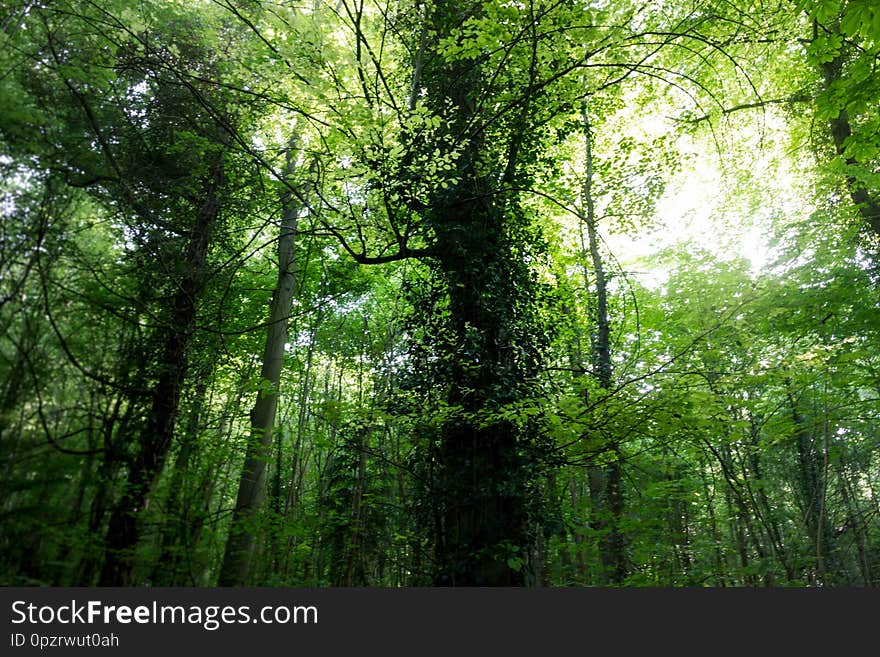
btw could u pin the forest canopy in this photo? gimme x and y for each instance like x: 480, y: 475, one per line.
x: 439, y: 293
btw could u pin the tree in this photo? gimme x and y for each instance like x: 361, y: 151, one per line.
x: 239, y: 550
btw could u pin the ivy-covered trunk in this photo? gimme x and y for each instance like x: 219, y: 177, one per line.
x: 483, y: 479
x: 488, y: 352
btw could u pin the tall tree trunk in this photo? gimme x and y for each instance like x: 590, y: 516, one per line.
x: 605, y: 480
x: 251, y: 489
x: 146, y: 467
x: 489, y: 352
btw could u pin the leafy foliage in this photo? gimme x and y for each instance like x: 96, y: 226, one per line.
x: 488, y: 377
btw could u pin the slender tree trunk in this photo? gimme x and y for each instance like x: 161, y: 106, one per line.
x: 605, y: 481
x: 811, y: 490
x: 736, y: 528
x: 299, y: 465
x: 251, y: 490
x: 739, y: 515
x: 578, y: 535
x: 717, y: 549
x: 762, y: 504
x: 354, y: 558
